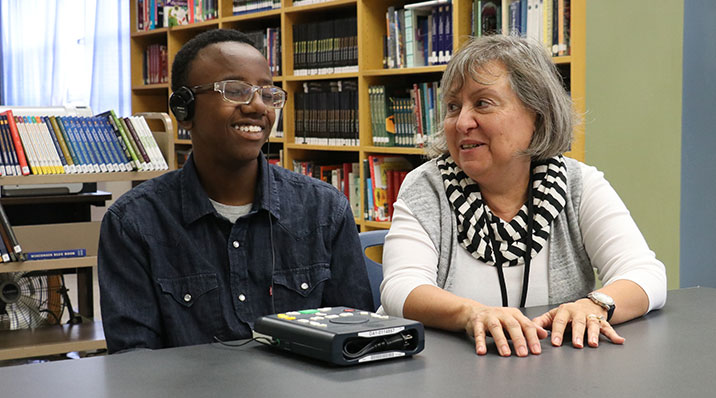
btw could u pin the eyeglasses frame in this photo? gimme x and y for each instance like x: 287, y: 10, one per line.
x: 220, y: 87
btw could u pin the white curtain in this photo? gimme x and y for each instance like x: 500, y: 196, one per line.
x: 66, y: 52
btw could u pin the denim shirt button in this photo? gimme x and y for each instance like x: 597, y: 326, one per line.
x: 236, y: 244
x: 304, y: 286
x: 242, y: 297
x: 187, y: 297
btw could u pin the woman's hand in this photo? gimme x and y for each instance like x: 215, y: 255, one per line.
x: 500, y: 322
x: 583, y: 315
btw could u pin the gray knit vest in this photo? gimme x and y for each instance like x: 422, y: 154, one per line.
x: 571, y: 275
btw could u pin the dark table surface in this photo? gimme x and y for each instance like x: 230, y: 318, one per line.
x: 668, y: 353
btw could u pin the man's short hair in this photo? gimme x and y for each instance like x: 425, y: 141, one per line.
x: 185, y: 56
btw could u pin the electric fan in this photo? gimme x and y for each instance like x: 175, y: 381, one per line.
x: 30, y: 300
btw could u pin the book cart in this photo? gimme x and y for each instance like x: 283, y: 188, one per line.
x: 370, y: 16
x: 88, y: 335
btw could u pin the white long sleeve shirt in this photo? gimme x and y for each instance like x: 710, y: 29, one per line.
x: 611, y: 238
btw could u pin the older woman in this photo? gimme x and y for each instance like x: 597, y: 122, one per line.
x: 500, y: 218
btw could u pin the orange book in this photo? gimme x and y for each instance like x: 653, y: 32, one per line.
x: 17, y: 143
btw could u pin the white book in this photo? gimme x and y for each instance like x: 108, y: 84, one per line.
x: 36, y: 139
x: 151, y: 145
x: 54, y: 155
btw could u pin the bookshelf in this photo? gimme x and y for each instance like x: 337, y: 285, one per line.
x: 57, y: 236
x: 370, y: 16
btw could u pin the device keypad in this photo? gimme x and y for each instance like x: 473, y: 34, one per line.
x: 321, y: 317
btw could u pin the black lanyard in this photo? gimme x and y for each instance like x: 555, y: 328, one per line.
x: 499, y: 259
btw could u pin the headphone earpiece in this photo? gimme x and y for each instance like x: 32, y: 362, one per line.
x: 181, y: 103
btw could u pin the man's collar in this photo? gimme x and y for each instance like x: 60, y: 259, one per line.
x: 195, y: 201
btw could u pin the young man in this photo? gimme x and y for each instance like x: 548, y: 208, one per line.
x: 196, y: 255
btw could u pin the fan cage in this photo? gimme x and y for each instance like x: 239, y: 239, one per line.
x: 30, y: 300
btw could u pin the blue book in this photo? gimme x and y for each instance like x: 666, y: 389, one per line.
x: 108, y: 153
x: 81, y: 164
x: 90, y: 154
x: 103, y: 127
x: 52, y: 254
x: 95, y: 144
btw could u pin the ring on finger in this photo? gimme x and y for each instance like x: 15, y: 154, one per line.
x: 599, y: 318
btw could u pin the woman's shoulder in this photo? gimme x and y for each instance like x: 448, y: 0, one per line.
x: 425, y: 175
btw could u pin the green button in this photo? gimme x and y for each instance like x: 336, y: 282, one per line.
x: 308, y: 311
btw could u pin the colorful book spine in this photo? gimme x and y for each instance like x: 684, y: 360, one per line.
x: 14, y: 246
x: 40, y: 149
x: 6, y: 167
x: 108, y: 123
x: 95, y: 145
x: 136, y: 157
x: 73, y: 146
x: 64, y: 147
x: 54, y: 254
x: 109, y: 142
x: 122, y: 138
x: 146, y: 162
x: 151, y: 143
x: 53, y: 146
x: 105, y: 156
x: 21, y: 158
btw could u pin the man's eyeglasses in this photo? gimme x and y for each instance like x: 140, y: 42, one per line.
x: 238, y: 92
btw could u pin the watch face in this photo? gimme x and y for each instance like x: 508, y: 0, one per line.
x: 601, y: 297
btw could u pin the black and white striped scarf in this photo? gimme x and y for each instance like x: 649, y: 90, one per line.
x: 549, y: 183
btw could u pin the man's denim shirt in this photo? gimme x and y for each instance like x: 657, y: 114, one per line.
x: 173, y: 272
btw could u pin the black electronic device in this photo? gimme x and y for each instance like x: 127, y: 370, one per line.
x: 181, y: 103
x: 342, y: 335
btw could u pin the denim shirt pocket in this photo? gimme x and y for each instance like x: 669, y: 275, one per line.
x: 186, y: 290
x: 300, y: 288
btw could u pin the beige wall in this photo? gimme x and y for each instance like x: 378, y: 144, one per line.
x: 633, y: 120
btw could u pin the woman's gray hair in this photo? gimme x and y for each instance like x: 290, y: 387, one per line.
x: 533, y: 77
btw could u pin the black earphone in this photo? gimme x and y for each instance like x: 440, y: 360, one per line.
x: 181, y: 103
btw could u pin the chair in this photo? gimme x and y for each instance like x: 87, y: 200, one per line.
x: 375, y: 270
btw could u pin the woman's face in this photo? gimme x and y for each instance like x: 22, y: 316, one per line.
x: 487, y: 126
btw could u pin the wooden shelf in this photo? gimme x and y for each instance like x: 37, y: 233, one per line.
x: 309, y: 147
x: 83, y: 177
x: 376, y: 224
x: 52, y: 340
x: 151, y: 87
x: 394, y: 150
x: 253, y: 16
x: 333, y: 76
x: 147, y: 33
x: 404, y: 71
x: 54, y: 264
x: 320, y: 6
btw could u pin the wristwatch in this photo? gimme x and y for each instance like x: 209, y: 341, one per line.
x: 604, y: 301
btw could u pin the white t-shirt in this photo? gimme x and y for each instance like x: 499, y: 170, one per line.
x: 611, y: 238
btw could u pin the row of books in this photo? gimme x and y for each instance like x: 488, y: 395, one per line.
x: 248, y: 6
x: 73, y: 144
x: 325, y: 47
x: 344, y: 177
x: 11, y: 250
x: 405, y: 117
x: 268, y: 41
x: 547, y: 21
x: 384, y: 175
x: 418, y: 35
x: 155, y: 66
x: 154, y: 14
x: 326, y: 113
